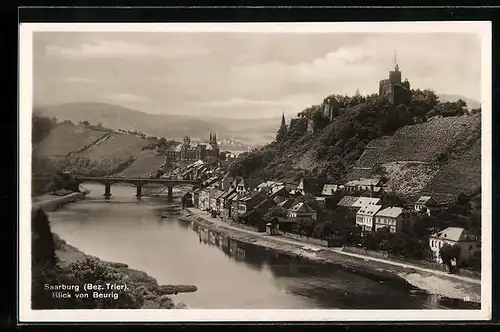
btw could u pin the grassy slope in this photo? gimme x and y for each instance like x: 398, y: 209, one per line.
x: 66, y: 138
x: 103, y: 153
x: 145, y: 163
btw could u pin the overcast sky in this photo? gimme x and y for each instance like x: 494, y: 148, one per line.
x: 243, y: 74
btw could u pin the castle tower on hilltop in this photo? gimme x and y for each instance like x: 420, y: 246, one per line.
x: 396, y: 91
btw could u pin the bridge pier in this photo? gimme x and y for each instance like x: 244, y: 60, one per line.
x: 170, y: 196
x: 107, y: 191
x: 139, y: 191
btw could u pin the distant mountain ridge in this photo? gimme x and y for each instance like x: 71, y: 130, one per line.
x: 248, y: 132
x: 471, y: 103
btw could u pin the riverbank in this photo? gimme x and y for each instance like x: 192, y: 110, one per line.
x: 143, y: 287
x: 431, y: 281
x: 50, y: 203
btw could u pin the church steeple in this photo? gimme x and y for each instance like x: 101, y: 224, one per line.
x: 210, y: 137
x: 283, y: 123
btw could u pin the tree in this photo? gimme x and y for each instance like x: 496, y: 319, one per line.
x: 41, y: 127
x: 423, y: 101
x: 162, y: 142
x: 275, y: 212
x: 448, y: 254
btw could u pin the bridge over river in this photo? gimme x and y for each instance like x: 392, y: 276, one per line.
x: 138, y: 182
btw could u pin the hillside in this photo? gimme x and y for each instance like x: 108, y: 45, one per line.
x: 410, y: 158
x: 415, y: 152
x: 66, y: 138
x: 85, y: 151
x: 251, y: 132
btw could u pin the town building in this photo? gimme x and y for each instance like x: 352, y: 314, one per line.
x: 247, y: 202
x: 204, y: 199
x: 226, y: 181
x: 196, y: 198
x: 329, y: 189
x: 244, y: 186
x: 215, y: 194
x: 425, y: 204
x: 224, y: 198
x: 396, y: 219
x: 468, y: 243
x: 226, y: 210
x: 365, y: 217
x: 347, y: 202
x: 309, y: 186
x: 365, y: 201
x: 254, y: 216
x: 287, y: 204
x: 364, y: 184
x: 394, y: 89
x: 302, y: 211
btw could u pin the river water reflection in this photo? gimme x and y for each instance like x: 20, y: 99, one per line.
x: 228, y: 274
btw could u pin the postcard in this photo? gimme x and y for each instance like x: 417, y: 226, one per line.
x: 197, y: 172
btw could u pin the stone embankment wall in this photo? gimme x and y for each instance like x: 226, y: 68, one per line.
x: 53, y: 204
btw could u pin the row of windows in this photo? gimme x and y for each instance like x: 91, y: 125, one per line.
x: 386, y: 221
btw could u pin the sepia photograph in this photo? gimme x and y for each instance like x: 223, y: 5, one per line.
x: 284, y: 171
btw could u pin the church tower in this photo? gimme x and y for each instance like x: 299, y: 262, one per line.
x: 215, y: 146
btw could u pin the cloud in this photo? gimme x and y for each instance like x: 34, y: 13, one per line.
x: 128, y: 97
x: 118, y: 49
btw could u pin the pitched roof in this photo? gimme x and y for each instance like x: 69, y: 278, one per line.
x: 228, y: 193
x: 362, y: 201
x: 275, y: 189
x: 329, y: 189
x: 301, y: 207
x: 455, y: 234
x: 369, y: 210
x: 423, y: 200
x: 347, y: 201
x: 364, y: 182
x: 390, y: 212
x: 287, y: 203
x: 216, y: 193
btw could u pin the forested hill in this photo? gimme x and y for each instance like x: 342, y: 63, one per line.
x: 333, y: 150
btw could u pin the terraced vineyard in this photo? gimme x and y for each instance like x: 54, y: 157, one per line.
x: 420, y: 142
x: 67, y: 138
x: 459, y: 175
x: 455, y: 138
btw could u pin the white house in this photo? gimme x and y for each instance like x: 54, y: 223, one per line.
x: 425, y: 204
x: 204, y: 199
x: 365, y: 217
x: 468, y: 243
x: 394, y: 217
x: 329, y: 189
x: 302, y: 211
x: 364, y: 201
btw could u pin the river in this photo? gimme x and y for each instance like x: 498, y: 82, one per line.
x: 228, y: 274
